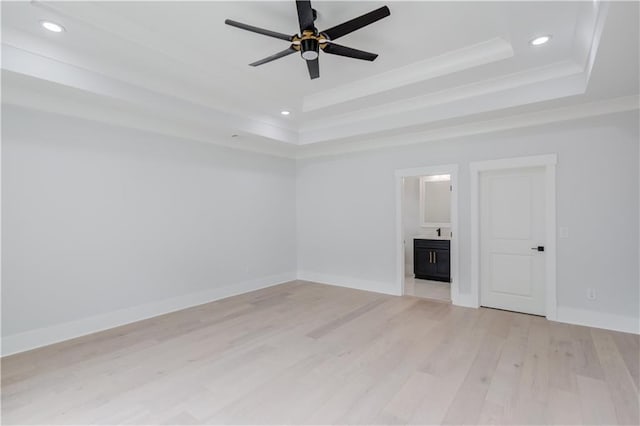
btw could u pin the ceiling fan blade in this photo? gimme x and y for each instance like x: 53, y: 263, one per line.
x: 336, y: 49
x: 278, y: 55
x: 354, y: 24
x: 258, y: 30
x: 314, y: 68
x: 305, y: 15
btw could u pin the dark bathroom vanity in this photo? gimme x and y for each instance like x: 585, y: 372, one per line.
x: 431, y: 259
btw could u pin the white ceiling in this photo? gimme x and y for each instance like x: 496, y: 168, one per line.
x: 175, y: 67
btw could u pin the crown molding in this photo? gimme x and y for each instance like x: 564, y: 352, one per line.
x: 560, y: 79
x: 52, y: 79
x: 26, y: 92
x: 196, y: 87
x: 535, y: 85
x: 547, y: 116
x: 458, y: 60
x: 193, y: 63
x: 589, y: 28
x: 516, y: 80
x: 564, y: 78
x: 204, y: 103
x: 554, y: 81
x: 40, y: 67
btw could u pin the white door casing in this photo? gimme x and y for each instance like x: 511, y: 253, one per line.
x: 452, y: 170
x: 512, y: 226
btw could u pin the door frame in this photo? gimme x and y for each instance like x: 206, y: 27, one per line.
x: 549, y: 162
x: 447, y: 169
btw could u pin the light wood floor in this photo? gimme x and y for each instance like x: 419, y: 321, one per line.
x: 435, y: 290
x: 303, y: 353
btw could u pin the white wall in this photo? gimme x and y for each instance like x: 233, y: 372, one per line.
x: 105, y: 225
x: 346, y: 210
x: 410, y: 218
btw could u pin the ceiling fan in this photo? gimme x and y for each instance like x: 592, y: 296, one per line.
x: 310, y: 40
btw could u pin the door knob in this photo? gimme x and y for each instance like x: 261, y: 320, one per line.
x: 539, y: 248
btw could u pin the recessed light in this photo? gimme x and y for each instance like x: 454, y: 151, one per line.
x: 285, y: 112
x: 540, y: 40
x: 52, y: 26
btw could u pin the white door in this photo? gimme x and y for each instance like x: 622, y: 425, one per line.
x: 512, y: 227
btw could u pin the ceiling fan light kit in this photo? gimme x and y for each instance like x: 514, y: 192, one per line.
x: 311, y: 41
x: 309, y: 48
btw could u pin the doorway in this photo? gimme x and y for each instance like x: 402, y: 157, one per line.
x: 427, y: 219
x: 513, y: 234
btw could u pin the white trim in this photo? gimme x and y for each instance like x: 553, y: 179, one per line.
x: 53, y: 98
x: 444, y: 64
x: 60, y: 332
x: 597, y: 319
x: 465, y: 300
x: 447, y: 169
x: 348, y: 282
x: 551, y: 293
x: 549, y: 163
x: 552, y: 81
x: 467, y: 57
x: 58, y: 74
x: 537, y: 118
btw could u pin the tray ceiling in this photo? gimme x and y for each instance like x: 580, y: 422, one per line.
x: 176, y: 63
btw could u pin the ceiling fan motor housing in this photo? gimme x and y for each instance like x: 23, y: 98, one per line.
x: 309, y: 48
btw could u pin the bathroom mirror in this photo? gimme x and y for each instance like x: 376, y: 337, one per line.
x: 435, y: 201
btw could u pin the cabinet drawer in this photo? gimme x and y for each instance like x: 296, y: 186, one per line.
x: 432, y: 244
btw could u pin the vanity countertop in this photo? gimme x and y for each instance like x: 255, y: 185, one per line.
x: 426, y: 237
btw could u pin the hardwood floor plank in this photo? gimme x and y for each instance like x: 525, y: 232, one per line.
x: 585, y: 358
x: 404, y: 403
x: 339, y: 322
x: 305, y: 353
x: 564, y: 407
x: 562, y: 374
x: 621, y: 387
x: 629, y: 348
x: 503, y: 392
x: 533, y: 389
x: 467, y: 406
x: 596, y: 405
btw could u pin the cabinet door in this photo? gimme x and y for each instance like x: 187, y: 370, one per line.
x: 442, y: 264
x: 421, y: 265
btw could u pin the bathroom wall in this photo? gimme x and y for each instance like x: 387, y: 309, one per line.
x: 437, y: 201
x: 410, y: 219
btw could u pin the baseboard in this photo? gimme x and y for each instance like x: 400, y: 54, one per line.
x: 463, y: 299
x: 597, y: 319
x: 349, y: 282
x: 60, y: 332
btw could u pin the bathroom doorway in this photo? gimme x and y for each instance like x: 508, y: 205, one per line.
x: 427, y: 232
